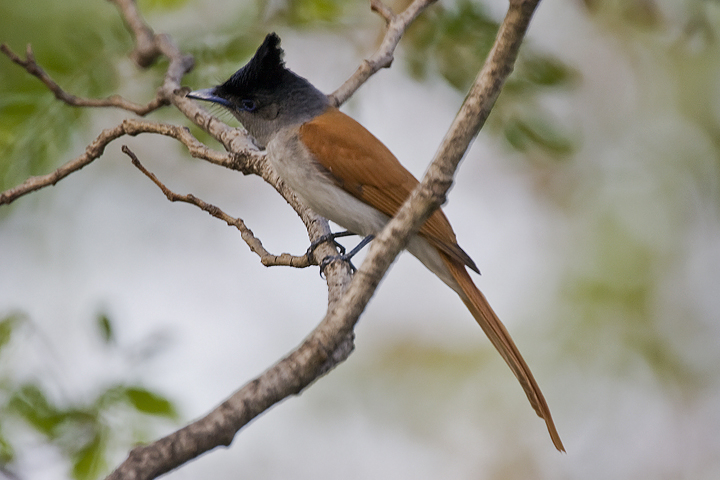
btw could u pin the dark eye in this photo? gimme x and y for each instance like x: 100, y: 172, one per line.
x: 248, y: 105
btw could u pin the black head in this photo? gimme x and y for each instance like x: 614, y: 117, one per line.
x: 265, y: 70
x: 264, y: 95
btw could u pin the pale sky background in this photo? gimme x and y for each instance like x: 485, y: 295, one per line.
x: 424, y: 396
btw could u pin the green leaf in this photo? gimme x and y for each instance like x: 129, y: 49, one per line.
x: 33, y: 406
x: 524, y: 134
x: 149, y: 402
x: 7, y: 453
x: 106, y: 329
x: 545, y: 70
x: 36, y: 128
x: 90, y: 461
x: 308, y: 12
x: 454, y: 41
x: 7, y: 325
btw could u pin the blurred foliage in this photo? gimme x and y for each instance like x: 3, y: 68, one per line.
x: 82, y: 431
x: 613, y: 293
x: 310, y: 13
x: 105, y: 328
x: 228, y: 45
x: 454, y: 40
x: 35, y: 129
x: 411, y: 368
x: 678, y: 45
x: 648, y: 201
x: 7, y: 325
x: 150, y: 5
x: 632, y: 13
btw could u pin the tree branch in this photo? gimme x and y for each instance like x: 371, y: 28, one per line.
x: 315, y: 355
x: 93, y: 151
x: 256, y: 246
x: 383, y: 57
x: 36, y: 70
x: 147, y: 48
x: 383, y: 10
x: 247, y: 161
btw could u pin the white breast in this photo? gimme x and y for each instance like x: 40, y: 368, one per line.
x: 307, y: 179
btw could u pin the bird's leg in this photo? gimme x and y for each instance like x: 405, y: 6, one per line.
x: 346, y: 257
x: 325, y: 238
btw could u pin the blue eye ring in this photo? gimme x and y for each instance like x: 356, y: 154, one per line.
x: 248, y: 105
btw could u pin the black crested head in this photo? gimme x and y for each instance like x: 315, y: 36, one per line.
x: 265, y: 70
x: 265, y: 80
x: 264, y: 95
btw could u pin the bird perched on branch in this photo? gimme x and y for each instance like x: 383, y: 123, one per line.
x: 342, y: 172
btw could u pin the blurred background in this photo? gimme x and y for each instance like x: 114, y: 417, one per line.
x: 590, y: 202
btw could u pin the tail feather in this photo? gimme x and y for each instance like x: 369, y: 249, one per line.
x: 500, y: 338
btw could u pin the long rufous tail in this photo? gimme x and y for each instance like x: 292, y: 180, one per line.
x: 500, y: 338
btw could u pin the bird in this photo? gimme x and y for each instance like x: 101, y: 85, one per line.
x: 344, y: 173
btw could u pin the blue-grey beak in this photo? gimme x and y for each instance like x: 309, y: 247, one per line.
x: 208, y: 94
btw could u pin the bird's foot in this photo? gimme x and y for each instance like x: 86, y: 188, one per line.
x: 345, y: 257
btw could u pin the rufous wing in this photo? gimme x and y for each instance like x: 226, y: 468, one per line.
x: 363, y: 166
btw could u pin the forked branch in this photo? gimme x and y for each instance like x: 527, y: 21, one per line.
x: 267, y: 258
x: 247, y: 160
x: 383, y: 57
x: 36, y: 70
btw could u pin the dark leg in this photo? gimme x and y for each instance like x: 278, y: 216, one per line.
x: 346, y: 257
x: 359, y: 246
x: 325, y: 238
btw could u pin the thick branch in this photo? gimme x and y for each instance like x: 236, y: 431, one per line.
x: 304, y: 365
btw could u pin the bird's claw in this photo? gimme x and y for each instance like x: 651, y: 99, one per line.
x: 325, y: 262
x: 345, y: 257
x: 328, y: 237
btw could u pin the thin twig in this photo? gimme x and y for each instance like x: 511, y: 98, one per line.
x: 146, y: 47
x: 246, y: 161
x: 383, y: 57
x: 383, y: 10
x: 36, y: 70
x: 149, y: 46
x: 93, y: 151
x: 256, y: 246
